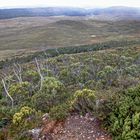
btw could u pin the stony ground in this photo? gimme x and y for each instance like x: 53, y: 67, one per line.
x: 76, y: 128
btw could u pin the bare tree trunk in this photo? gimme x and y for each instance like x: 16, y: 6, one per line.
x: 39, y: 72
x: 17, y: 71
x: 5, y: 88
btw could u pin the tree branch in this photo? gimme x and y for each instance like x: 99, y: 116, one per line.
x: 5, y: 88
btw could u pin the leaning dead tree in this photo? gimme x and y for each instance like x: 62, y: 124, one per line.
x: 40, y: 74
x: 7, y: 93
x: 17, y: 71
x: 58, y: 53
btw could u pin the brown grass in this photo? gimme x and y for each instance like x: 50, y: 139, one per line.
x: 25, y: 35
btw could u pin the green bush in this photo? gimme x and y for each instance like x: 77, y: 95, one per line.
x: 24, y: 120
x: 107, y: 76
x: 52, y: 86
x: 1, y: 88
x: 47, y: 72
x: 132, y: 70
x: 84, y: 76
x: 124, y: 120
x: 25, y: 112
x: 31, y: 76
x: 20, y: 92
x: 68, y: 76
x: 65, y: 75
x: 52, y: 93
x: 59, y: 112
x: 83, y: 101
x: 6, y: 114
x: 42, y: 101
x: 91, y: 84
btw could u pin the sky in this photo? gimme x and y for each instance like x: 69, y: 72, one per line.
x: 68, y: 3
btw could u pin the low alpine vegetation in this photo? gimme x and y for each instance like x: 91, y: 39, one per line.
x: 104, y: 83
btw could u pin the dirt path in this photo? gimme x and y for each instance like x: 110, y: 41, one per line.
x: 79, y: 128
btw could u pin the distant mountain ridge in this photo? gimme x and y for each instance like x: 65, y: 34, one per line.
x: 120, y: 12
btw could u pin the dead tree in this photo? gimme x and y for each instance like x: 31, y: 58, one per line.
x: 17, y: 71
x: 7, y: 93
x: 57, y: 51
x: 40, y: 74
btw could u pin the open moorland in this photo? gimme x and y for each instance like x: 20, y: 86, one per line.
x: 20, y: 36
x: 69, y: 78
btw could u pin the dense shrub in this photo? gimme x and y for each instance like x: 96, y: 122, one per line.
x: 31, y: 76
x: 6, y: 114
x: 108, y: 72
x: 52, y: 86
x: 107, y: 75
x: 59, y: 112
x: 91, y: 84
x: 65, y: 75
x: 1, y: 90
x: 83, y: 101
x: 23, y: 121
x: 132, y: 70
x: 20, y: 92
x: 124, y: 120
x: 47, y: 72
x: 84, y: 76
x: 52, y: 93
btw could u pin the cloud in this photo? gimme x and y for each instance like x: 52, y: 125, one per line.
x: 74, y: 3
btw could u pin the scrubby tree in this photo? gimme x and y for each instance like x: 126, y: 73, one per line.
x: 83, y: 101
x: 24, y: 120
x: 107, y: 75
x: 21, y: 92
x: 124, y: 119
x: 52, y: 93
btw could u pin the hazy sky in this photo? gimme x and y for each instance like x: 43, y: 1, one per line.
x: 74, y: 3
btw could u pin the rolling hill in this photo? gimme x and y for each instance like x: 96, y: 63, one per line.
x: 119, y: 12
x: 29, y: 34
